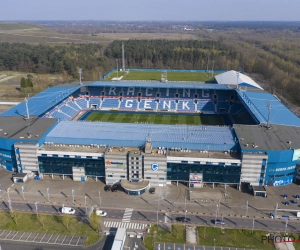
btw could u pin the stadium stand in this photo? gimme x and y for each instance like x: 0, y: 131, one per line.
x: 110, y: 103
x: 81, y: 102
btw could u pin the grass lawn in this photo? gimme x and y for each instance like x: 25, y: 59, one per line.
x: 177, y: 236
x: 232, y: 238
x: 239, y: 238
x: 48, y: 224
x: 156, y: 118
x: 172, y: 76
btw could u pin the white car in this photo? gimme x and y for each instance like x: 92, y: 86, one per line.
x: 67, y: 210
x: 100, y: 213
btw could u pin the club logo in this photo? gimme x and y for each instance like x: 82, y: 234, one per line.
x: 154, y: 166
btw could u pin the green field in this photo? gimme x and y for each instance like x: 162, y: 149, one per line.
x: 155, y: 118
x: 156, y: 76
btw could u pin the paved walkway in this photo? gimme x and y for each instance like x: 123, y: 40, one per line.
x: 170, y: 198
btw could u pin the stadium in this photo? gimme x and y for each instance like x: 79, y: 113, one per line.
x: 151, y: 133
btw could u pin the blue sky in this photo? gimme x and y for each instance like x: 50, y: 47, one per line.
x: 136, y: 10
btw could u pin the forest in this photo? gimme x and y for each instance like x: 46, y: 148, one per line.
x: 273, y: 55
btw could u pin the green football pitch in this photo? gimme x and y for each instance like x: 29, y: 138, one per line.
x: 117, y: 117
x: 156, y: 76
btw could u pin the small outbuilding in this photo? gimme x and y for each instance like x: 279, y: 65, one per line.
x: 20, y: 177
x: 259, y: 191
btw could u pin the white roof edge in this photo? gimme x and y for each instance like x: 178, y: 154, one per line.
x: 233, y: 77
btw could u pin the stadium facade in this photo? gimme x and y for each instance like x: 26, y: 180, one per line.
x: 259, y: 145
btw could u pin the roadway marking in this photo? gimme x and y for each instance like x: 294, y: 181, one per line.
x: 42, y: 237
x: 21, y: 236
x: 28, y: 236
x: 127, y: 215
x: 118, y: 224
x: 8, y: 234
x: 50, y: 238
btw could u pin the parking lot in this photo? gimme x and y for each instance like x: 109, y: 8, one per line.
x: 172, y: 246
x: 42, y: 238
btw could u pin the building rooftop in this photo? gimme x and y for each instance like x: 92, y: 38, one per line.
x: 205, y: 154
x: 43, y: 101
x: 219, y: 138
x: 277, y: 137
x: 19, y: 128
x: 73, y: 148
x: 260, y: 102
x: 153, y: 84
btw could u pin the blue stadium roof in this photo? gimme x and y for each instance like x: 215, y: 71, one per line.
x: 43, y: 101
x: 257, y: 101
x: 135, y: 135
x: 153, y: 84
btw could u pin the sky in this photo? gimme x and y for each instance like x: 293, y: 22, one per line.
x: 151, y: 10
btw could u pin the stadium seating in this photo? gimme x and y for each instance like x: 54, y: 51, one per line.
x: 166, y: 104
x: 82, y: 103
x: 110, y: 103
x: 94, y: 101
x: 73, y: 105
x: 147, y: 104
x: 186, y: 106
x: 61, y: 116
x: 208, y: 107
x: 67, y: 110
x: 129, y: 104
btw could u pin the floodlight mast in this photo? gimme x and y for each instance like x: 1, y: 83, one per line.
x: 207, y: 64
x: 269, y: 111
x: 237, y: 79
x: 26, y: 104
x: 80, y: 73
x: 123, y: 57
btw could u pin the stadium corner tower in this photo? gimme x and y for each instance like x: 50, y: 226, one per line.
x: 149, y: 134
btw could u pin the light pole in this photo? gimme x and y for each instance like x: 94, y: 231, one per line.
x: 157, y: 211
x: 276, y: 210
x: 253, y: 224
x: 36, y: 208
x: 48, y: 192
x: 85, y: 205
x: 117, y: 69
x: 23, y: 192
x: 9, y: 205
x: 8, y: 194
x: 100, y: 75
x: 216, y: 216
x: 286, y: 224
x: 237, y: 79
x: 99, y: 198
x: 247, y: 209
x: 73, y: 194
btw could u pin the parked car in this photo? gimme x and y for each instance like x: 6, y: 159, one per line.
x: 183, y: 219
x: 114, y: 188
x: 107, y: 188
x: 152, y: 190
x: 220, y: 222
x: 68, y: 210
x: 100, y: 213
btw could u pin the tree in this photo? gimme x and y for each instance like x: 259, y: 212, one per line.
x: 23, y: 82
x: 94, y: 221
x: 15, y: 216
x: 66, y: 219
x: 42, y: 219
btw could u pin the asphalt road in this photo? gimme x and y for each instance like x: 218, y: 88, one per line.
x: 151, y: 217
